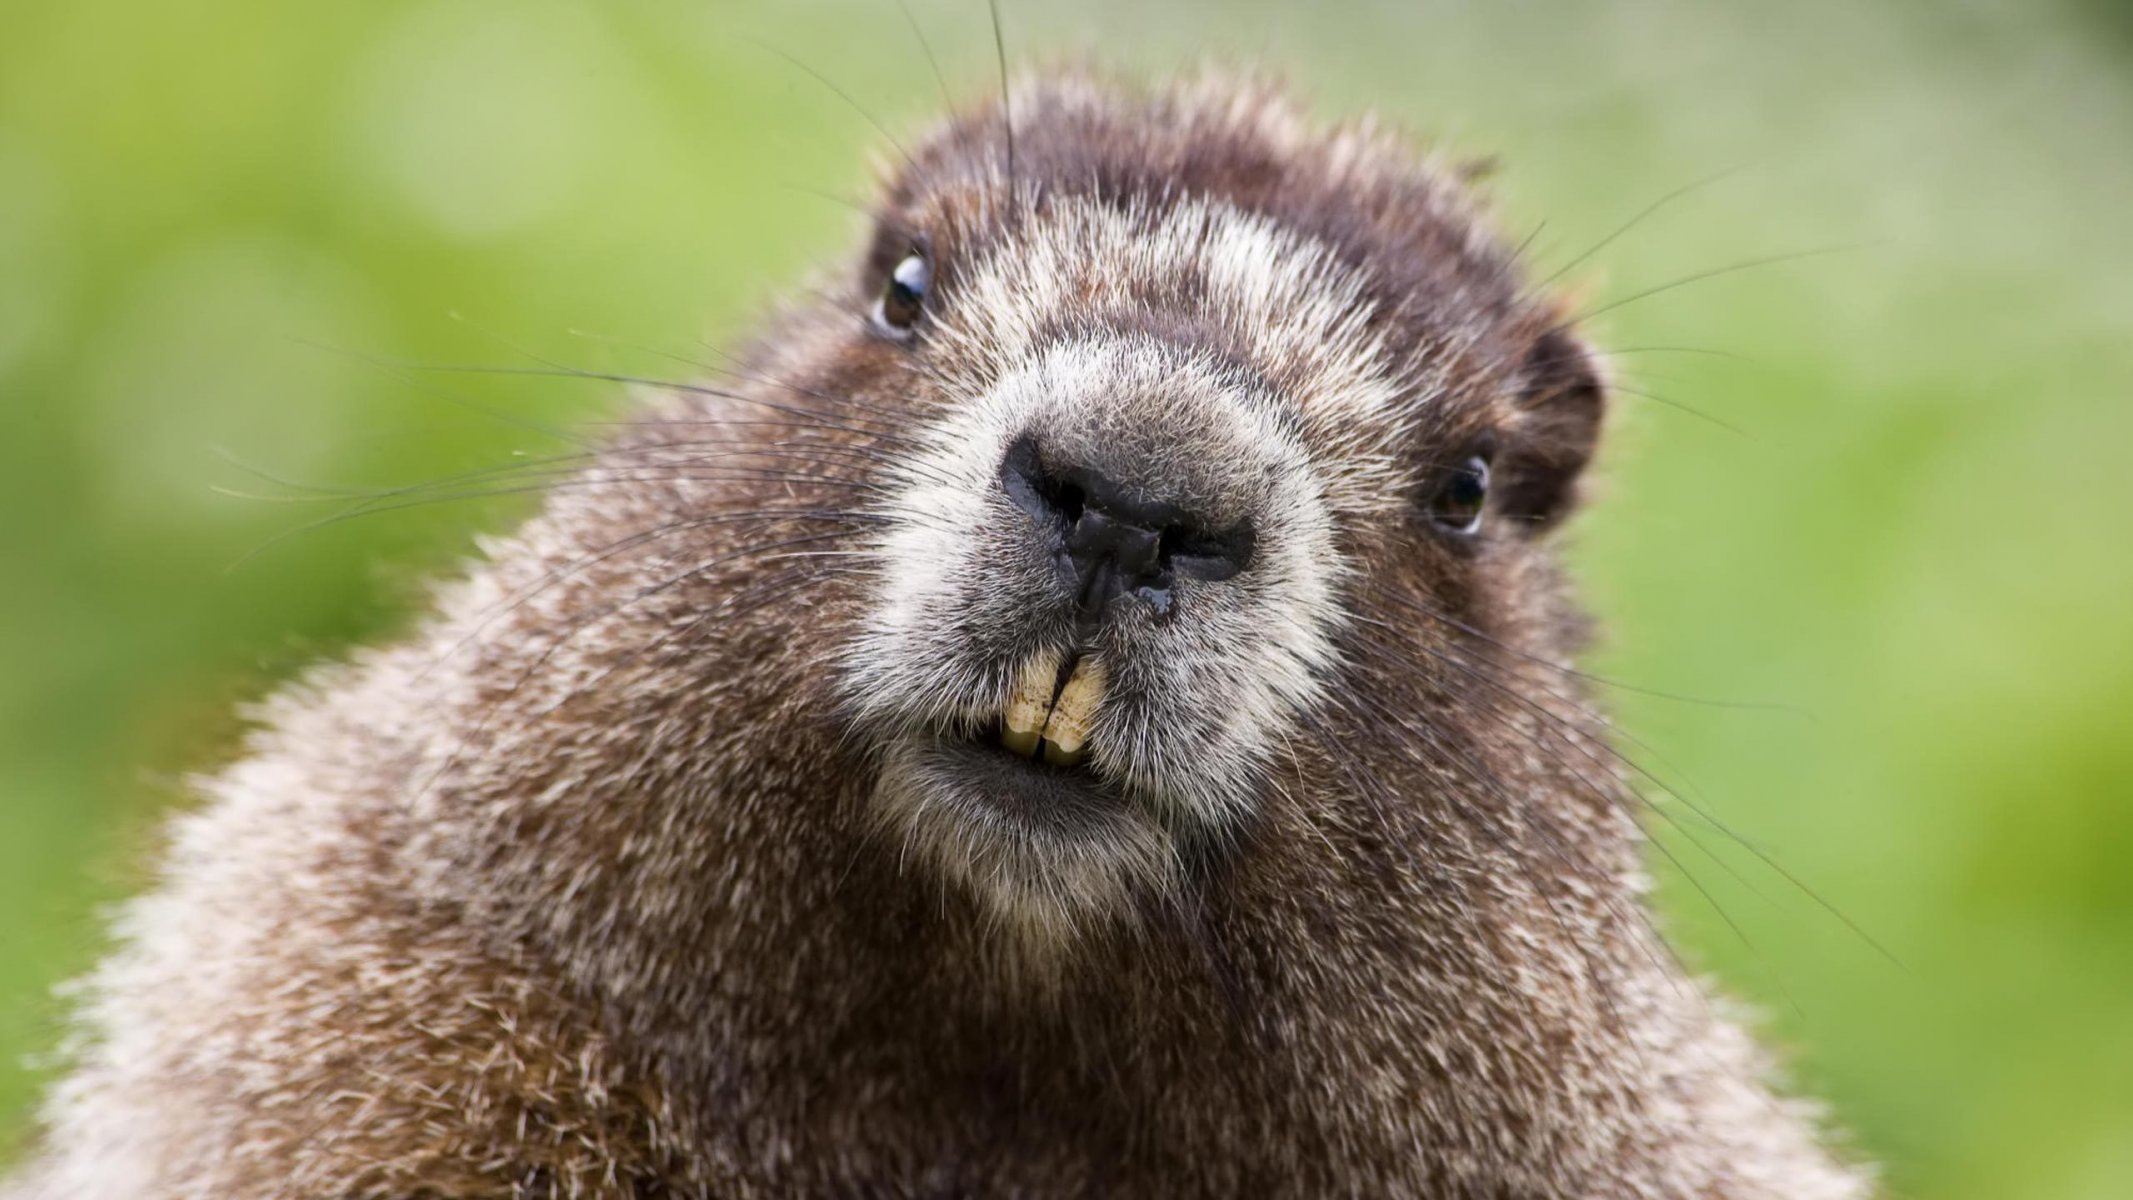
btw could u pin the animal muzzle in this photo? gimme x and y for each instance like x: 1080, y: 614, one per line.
x: 1112, y: 543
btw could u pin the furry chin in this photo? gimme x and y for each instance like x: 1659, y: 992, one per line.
x: 1048, y: 855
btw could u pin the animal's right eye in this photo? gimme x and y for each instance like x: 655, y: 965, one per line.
x: 903, y: 298
x: 1462, y: 496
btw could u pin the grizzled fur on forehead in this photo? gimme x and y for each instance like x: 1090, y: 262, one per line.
x: 1384, y: 237
x: 1424, y: 258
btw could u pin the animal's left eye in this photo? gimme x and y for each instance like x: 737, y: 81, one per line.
x: 903, y: 298
x: 1457, y: 505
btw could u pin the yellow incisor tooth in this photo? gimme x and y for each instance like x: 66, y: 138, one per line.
x: 1028, y: 703
x: 1062, y: 758
x: 1075, y: 714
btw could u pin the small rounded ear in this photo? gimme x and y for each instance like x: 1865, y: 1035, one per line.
x: 1558, y: 427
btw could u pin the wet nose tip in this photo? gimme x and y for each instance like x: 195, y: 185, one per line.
x: 1111, y: 542
x: 1131, y: 549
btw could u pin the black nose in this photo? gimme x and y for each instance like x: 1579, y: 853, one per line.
x: 1110, y: 542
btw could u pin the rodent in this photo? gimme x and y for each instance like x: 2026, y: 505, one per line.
x: 1076, y: 712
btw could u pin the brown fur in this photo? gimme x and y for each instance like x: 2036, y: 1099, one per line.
x: 583, y: 890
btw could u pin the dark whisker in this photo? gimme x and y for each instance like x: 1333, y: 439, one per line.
x: 405, y: 372
x: 768, y: 381
x: 841, y: 94
x: 1678, y: 406
x: 868, y: 211
x: 1525, y: 244
x: 541, y: 488
x: 1480, y: 775
x: 1007, y: 109
x: 926, y: 47
x: 1445, y: 618
x: 1613, y: 351
x: 727, y: 608
x: 570, y: 632
x: 1633, y: 222
x: 577, y: 566
x: 1613, y: 798
x: 1710, y: 819
x: 887, y: 414
x: 545, y: 464
x: 1698, y: 277
x: 695, y: 389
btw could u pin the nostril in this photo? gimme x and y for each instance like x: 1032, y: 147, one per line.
x: 1170, y: 541
x: 1022, y: 477
x: 1192, y: 551
x: 1049, y: 496
x: 1110, y: 538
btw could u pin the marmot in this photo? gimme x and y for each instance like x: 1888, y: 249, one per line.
x: 1077, y: 712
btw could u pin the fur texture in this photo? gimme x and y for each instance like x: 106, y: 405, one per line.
x: 651, y: 865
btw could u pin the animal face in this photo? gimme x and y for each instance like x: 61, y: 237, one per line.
x: 1187, y: 386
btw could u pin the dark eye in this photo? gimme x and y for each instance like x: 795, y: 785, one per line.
x: 903, y: 298
x: 1456, y: 507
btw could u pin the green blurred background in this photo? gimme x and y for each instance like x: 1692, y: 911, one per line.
x: 1880, y: 493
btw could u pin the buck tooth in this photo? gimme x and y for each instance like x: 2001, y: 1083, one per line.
x: 1029, y: 703
x: 1063, y: 758
x: 1075, y: 713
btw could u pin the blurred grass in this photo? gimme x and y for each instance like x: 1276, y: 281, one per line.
x: 223, y: 224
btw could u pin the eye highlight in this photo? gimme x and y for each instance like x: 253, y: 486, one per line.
x: 903, y: 298
x: 1461, y: 497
